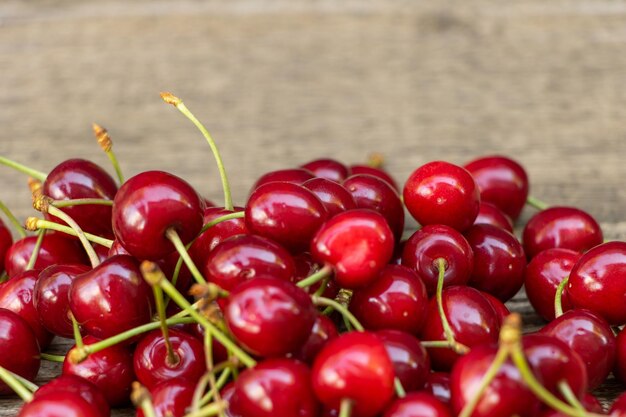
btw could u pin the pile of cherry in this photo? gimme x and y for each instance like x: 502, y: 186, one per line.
x: 308, y: 301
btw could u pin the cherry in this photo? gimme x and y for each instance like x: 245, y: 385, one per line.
x: 327, y: 168
x: 501, y: 310
x: 433, y: 242
x: 418, y: 404
x: 269, y: 316
x: 111, y: 298
x: 544, y: 273
x: 442, y: 193
x: 305, y: 267
x: 171, y: 398
x: 243, y: 257
x: 499, y: 261
x: 19, y: 347
x: 410, y: 360
x: 208, y: 240
x: 54, y: 250
x: 589, y: 403
x: 490, y: 214
x: 77, y: 385
x: 6, y: 240
x: 286, y: 213
x: 17, y: 295
x: 275, y: 387
x: 354, y: 367
x: 502, y: 182
x: 598, y: 282
x: 357, y: 243
x: 438, y: 384
x: 323, y: 331
x: 147, y: 206
x: 152, y: 365
x: 376, y: 172
x: 111, y: 370
x: 51, y: 297
x: 79, y: 178
x: 333, y: 195
x: 397, y: 299
x: 620, y: 356
x: 618, y: 408
x: 60, y: 404
x: 591, y: 337
x: 561, y: 227
x: 294, y: 176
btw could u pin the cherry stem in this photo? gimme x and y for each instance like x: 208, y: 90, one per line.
x: 81, y: 202
x: 34, y: 223
x: 14, y: 221
x: 173, y: 237
x: 322, y: 287
x: 569, y: 395
x: 447, y: 330
x: 23, y: 169
x: 375, y: 160
x: 317, y: 276
x: 172, y: 358
x: 219, y: 384
x: 35, y: 253
x: 558, y: 297
x: 400, y: 392
x: 4, y: 278
x: 536, y: 203
x: 210, y: 376
x: 141, y: 398
x: 345, y: 409
x: 105, y: 142
x: 9, y: 378
x: 91, y: 253
x: 328, y: 302
x: 210, y: 410
x: 78, y: 338
x: 31, y: 386
x: 178, y: 103
x: 444, y: 344
x: 52, y: 358
x: 225, y: 217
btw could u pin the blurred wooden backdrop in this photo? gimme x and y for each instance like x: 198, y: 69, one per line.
x: 280, y: 82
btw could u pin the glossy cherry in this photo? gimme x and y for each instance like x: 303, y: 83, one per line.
x: 442, y: 193
x: 377, y: 172
x: 561, y: 227
x: 54, y: 249
x: 269, y: 316
x: 598, y: 282
x: 149, y: 204
x: 432, y: 242
x: 438, y: 384
x: 499, y: 261
x: 418, y: 404
x: 327, y: 168
x: 490, y: 214
x: 286, y: 213
x: 501, y: 310
x: 19, y: 347
x: 77, y: 385
x: 292, y: 175
x: 59, y: 404
x: 275, y: 387
x: 357, y: 243
x: 6, y: 240
x: 333, y: 195
x: 355, y: 366
x: 543, y: 275
x: 208, y: 240
x: 171, y: 398
x: 397, y: 299
x: 306, y: 266
x: 410, y: 360
x: 502, y: 182
x: 323, y: 331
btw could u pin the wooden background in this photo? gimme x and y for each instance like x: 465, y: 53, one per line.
x: 281, y: 82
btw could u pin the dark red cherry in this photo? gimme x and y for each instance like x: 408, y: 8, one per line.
x: 371, y: 192
x: 620, y: 356
x: 442, y: 193
x: 507, y: 394
x: 618, y: 408
x: 490, y: 214
x: 111, y: 298
x: 269, y: 316
x: 438, y: 384
x: 149, y: 204
x: 54, y: 250
x: 243, y: 257
x: 357, y: 243
x: 323, y: 331
x: 286, y: 213
x: 274, y: 387
x: 59, y: 404
x: 472, y: 319
x: 561, y: 227
x: 377, y: 172
x: 499, y: 261
x: 397, y: 299
x: 355, y: 366
x: 77, y: 385
x: 327, y: 168
x: 207, y: 241
x: 17, y: 295
x: 79, y: 178
x: 6, y: 240
x: 543, y: 275
x: 410, y: 360
x: 151, y: 362
x: 171, y: 398
x: 51, y: 297
x: 333, y: 195
x: 111, y: 370
x: 418, y: 404
x: 502, y: 182
x: 306, y: 266
x: 292, y: 175
x: 19, y: 347
x: 591, y: 337
x: 431, y: 243
x: 498, y: 306
x: 598, y: 282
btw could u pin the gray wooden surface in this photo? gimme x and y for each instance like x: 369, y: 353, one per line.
x: 280, y: 82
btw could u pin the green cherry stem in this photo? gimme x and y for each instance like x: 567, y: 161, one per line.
x: 400, y: 392
x: 447, y: 330
x: 105, y: 142
x: 35, y: 253
x: 558, y: 297
x: 14, y: 221
x: 178, y: 103
x: 536, y: 203
x: 34, y: 223
x: 9, y: 378
x: 569, y: 395
x: 31, y: 386
x: 52, y: 358
x: 328, y: 302
x: 210, y: 410
x: 173, y: 237
x: 141, y: 398
x: 443, y: 344
x: 225, y: 217
x: 317, y: 276
x: 345, y: 408
x: 219, y: 384
x: 172, y: 357
x: 78, y: 338
x: 82, y: 202
x: 23, y: 169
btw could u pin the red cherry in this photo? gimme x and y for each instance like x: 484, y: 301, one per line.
x: 355, y: 366
x: 77, y: 385
x: 333, y: 195
x: 620, y: 356
x: 502, y: 182
x: 323, y: 331
x: 432, y: 242
x: 357, y: 243
x: 397, y: 299
x: 207, y: 241
x: 6, y: 240
x: 561, y: 227
x: 490, y: 214
x: 20, y: 351
x: 589, y: 403
x: 410, y: 360
x: 327, y: 168
x: 598, y: 282
x: 171, y: 398
x: 376, y: 172
x: 438, y: 384
x: 442, y: 193
x: 54, y: 250
x: 59, y: 404
x: 418, y: 404
x: 306, y: 266
x: 149, y: 204
x: 294, y: 176
x: 618, y: 408
x: 498, y: 306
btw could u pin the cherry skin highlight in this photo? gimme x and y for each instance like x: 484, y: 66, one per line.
x: 416, y: 404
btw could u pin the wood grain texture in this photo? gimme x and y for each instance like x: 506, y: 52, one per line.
x: 281, y: 82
